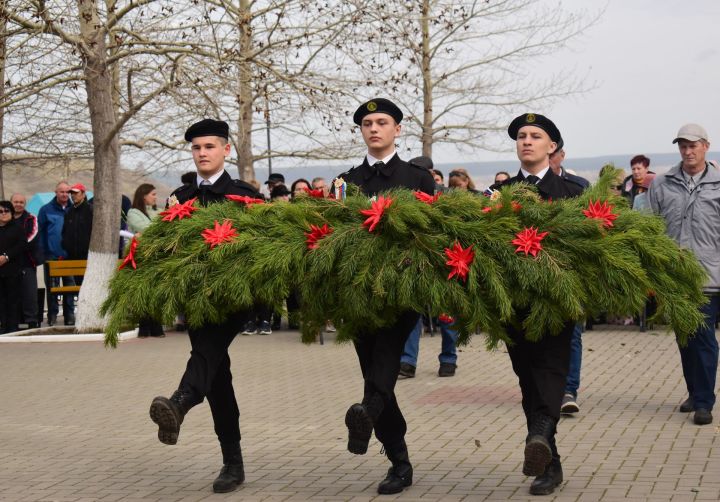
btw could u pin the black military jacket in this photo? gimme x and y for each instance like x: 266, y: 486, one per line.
x: 551, y: 186
x: 395, y: 174
x: 216, y: 192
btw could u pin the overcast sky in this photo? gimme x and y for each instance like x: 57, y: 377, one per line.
x: 655, y: 65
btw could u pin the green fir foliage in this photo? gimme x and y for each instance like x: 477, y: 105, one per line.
x: 361, y: 280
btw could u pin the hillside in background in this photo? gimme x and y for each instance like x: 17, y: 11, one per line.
x: 29, y: 178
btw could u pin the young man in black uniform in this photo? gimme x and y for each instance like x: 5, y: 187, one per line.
x: 379, y: 351
x: 541, y: 366
x: 208, y: 370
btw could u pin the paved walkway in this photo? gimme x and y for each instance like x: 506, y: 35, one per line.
x: 74, y: 425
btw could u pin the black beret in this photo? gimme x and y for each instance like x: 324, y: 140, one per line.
x: 378, y: 105
x: 275, y: 178
x: 537, y: 120
x: 207, y: 127
x: 422, y: 161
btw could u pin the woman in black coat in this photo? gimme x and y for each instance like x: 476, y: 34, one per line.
x: 12, y: 247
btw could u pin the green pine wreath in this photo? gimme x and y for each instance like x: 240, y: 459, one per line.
x: 225, y: 258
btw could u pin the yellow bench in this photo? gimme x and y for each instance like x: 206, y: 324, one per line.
x: 65, y: 268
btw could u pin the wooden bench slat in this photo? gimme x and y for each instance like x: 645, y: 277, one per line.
x: 66, y: 272
x: 65, y: 289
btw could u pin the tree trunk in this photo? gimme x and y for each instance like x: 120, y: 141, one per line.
x: 427, y: 125
x: 104, y: 242
x: 244, y: 95
x: 3, y: 45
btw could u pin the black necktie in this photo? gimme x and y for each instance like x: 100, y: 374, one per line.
x: 532, y: 179
x: 378, y: 166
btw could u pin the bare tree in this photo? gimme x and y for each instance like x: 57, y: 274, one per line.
x: 277, y: 59
x: 462, y: 68
x: 81, y: 53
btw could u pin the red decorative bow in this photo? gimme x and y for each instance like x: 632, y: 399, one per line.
x: 446, y: 319
x: 219, y: 234
x: 459, y: 260
x: 528, y: 241
x: 316, y: 233
x: 601, y: 212
x: 179, y: 211
x: 130, y: 258
x: 244, y: 199
x: 376, y: 211
x: 514, y: 205
x: 427, y: 199
x: 317, y: 194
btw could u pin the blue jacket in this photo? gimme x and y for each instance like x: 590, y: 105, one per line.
x: 50, y: 221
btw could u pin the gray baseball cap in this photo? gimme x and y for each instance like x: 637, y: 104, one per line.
x: 691, y: 132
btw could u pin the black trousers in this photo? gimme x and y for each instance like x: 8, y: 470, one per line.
x: 9, y: 302
x: 541, y: 368
x: 379, y: 355
x: 207, y: 375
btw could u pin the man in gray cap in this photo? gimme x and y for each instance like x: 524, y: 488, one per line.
x: 688, y: 198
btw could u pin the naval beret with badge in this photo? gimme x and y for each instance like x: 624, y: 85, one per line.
x: 208, y: 127
x: 537, y: 120
x: 378, y: 105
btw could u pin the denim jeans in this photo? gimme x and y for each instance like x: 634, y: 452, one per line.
x: 700, y: 359
x: 572, y: 383
x: 448, y: 353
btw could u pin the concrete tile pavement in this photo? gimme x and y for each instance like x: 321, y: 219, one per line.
x: 74, y: 425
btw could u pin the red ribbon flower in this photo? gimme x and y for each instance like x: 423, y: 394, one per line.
x: 601, y: 212
x: 317, y: 194
x: 316, y: 233
x: 219, y: 234
x: 179, y: 211
x: 459, y: 260
x: 375, y: 212
x: 244, y: 199
x: 528, y: 241
x: 446, y: 319
x: 130, y: 258
x: 427, y: 199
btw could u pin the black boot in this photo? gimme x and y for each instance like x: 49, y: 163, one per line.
x: 232, y: 473
x: 400, y: 475
x: 169, y: 414
x: 359, y: 420
x: 538, y: 451
x: 545, y: 483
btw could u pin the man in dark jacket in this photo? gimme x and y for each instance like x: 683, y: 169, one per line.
x: 30, y: 260
x: 379, y: 351
x: 78, y: 224
x: 542, y: 366
x: 207, y: 374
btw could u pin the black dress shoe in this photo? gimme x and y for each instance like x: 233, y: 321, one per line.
x: 69, y: 320
x: 702, y: 417
x: 33, y: 325
x: 52, y: 320
x: 687, y: 405
x: 400, y: 475
x: 360, y: 427
x: 231, y: 476
x: 545, y: 483
x: 407, y: 370
x: 447, y: 369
